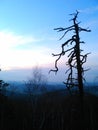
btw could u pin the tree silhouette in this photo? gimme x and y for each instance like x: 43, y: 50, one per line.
x: 37, y: 81
x: 3, y: 86
x: 75, y: 57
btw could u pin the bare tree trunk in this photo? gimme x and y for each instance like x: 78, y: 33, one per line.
x: 79, y: 75
x: 75, y: 61
x: 79, y: 67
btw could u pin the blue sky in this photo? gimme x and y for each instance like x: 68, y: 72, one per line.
x: 27, y: 38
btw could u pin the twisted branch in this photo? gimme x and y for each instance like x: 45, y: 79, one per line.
x: 72, y: 57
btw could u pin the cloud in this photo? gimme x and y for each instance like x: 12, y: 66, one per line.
x: 89, y: 10
x: 92, y: 23
x: 15, y: 59
x: 10, y: 39
x: 12, y: 58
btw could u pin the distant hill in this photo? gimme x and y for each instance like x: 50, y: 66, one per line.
x: 19, y: 88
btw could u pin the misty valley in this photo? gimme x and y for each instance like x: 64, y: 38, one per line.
x: 62, y: 91
x: 48, y: 108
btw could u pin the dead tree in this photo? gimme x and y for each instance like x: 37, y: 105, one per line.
x: 75, y: 57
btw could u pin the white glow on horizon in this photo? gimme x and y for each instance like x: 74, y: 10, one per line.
x: 12, y: 58
x: 24, y: 59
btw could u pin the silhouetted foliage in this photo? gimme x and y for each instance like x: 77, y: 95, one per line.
x: 53, y: 111
x: 36, y: 82
x: 3, y: 86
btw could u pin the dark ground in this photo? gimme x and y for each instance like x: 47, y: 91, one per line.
x: 49, y: 111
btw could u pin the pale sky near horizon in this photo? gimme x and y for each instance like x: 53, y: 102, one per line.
x: 27, y: 37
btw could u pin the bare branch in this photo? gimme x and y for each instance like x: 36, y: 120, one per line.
x: 68, y: 41
x: 56, y: 67
x: 75, y: 58
x: 83, y: 29
x: 66, y: 32
x: 63, y: 29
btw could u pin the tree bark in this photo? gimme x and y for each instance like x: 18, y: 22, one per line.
x: 79, y: 66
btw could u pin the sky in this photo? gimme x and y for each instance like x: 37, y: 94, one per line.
x: 27, y: 38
